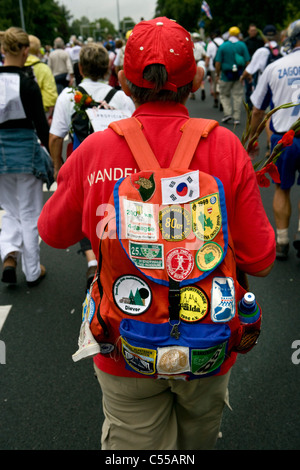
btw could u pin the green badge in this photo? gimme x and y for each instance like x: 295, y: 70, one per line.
x: 147, y: 255
x: 204, y: 361
x: 207, y: 218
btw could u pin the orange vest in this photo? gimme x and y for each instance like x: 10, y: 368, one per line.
x: 164, y: 299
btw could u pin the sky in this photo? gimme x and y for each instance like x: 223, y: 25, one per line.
x: 94, y: 9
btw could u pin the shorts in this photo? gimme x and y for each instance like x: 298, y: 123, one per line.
x: 288, y: 163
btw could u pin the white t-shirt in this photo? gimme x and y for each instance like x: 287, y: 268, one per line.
x: 259, y: 59
x: 64, y: 106
x: 199, y: 51
x: 212, y: 50
x: 280, y: 84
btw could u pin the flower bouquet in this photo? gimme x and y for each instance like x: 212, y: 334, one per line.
x: 267, y: 165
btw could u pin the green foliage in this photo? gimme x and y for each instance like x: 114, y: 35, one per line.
x: 229, y: 13
x: 46, y: 19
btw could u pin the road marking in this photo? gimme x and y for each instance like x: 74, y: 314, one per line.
x: 4, y: 311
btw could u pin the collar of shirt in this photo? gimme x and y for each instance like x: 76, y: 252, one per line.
x: 166, y: 108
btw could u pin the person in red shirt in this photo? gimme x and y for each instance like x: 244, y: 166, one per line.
x: 159, y: 73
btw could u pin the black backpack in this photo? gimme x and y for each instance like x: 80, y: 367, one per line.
x: 81, y: 125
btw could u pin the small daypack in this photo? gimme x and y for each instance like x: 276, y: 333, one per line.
x: 80, y: 124
x: 164, y: 298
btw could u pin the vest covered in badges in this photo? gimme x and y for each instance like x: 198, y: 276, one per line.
x: 164, y: 300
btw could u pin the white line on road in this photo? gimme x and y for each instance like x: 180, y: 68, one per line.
x: 4, y: 311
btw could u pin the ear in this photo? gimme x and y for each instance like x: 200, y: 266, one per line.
x: 198, y: 78
x: 123, y: 82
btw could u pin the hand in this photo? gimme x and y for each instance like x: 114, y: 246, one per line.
x: 253, y: 152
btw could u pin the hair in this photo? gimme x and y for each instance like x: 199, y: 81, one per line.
x: 119, y: 43
x: 157, y: 74
x: 13, y: 39
x: 58, y: 43
x: 94, y: 61
x: 35, y: 45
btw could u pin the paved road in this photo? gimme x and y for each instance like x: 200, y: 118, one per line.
x: 49, y: 402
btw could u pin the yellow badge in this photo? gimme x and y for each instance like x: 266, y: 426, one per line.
x: 175, y: 223
x: 209, y: 255
x: 193, y: 304
x: 207, y: 218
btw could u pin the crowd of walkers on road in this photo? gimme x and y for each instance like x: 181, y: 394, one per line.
x: 234, y: 61
x: 74, y: 90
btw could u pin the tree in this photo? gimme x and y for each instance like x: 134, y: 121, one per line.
x: 232, y: 13
x: 45, y: 19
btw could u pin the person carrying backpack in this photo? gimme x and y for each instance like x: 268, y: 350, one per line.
x: 230, y: 61
x: 93, y: 66
x: 161, y: 315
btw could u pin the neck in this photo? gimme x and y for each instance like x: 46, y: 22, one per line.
x: 15, y: 60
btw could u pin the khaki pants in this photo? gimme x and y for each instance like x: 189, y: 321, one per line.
x: 231, y: 97
x: 150, y: 414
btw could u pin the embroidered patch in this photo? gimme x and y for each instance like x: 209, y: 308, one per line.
x: 141, y: 360
x: 207, y: 218
x: 139, y: 220
x: 88, y: 308
x: 222, y: 299
x: 209, y: 256
x: 132, y: 295
x: 147, y: 255
x: 173, y: 360
x: 180, y: 189
x: 175, y: 223
x: 179, y: 263
x: 144, y: 182
x: 194, y: 304
x: 204, y: 361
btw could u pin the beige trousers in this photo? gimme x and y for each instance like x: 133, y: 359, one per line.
x: 150, y: 414
x: 231, y: 97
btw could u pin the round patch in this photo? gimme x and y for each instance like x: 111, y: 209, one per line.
x: 194, y: 304
x: 175, y: 223
x: 132, y: 295
x: 179, y: 263
x: 182, y: 189
x: 209, y: 255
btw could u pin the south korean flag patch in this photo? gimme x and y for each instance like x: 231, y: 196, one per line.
x: 180, y: 189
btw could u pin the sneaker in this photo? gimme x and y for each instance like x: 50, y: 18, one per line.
x: 296, y: 243
x: 39, y: 279
x: 226, y: 118
x: 9, y: 273
x: 236, y: 122
x: 282, y: 251
x: 90, y: 275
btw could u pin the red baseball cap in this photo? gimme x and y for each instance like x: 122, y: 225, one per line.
x: 160, y: 41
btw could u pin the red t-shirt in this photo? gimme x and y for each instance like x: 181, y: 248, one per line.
x: 86, y: 181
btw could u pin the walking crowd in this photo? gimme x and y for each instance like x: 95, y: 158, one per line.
x: 72, y: 90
